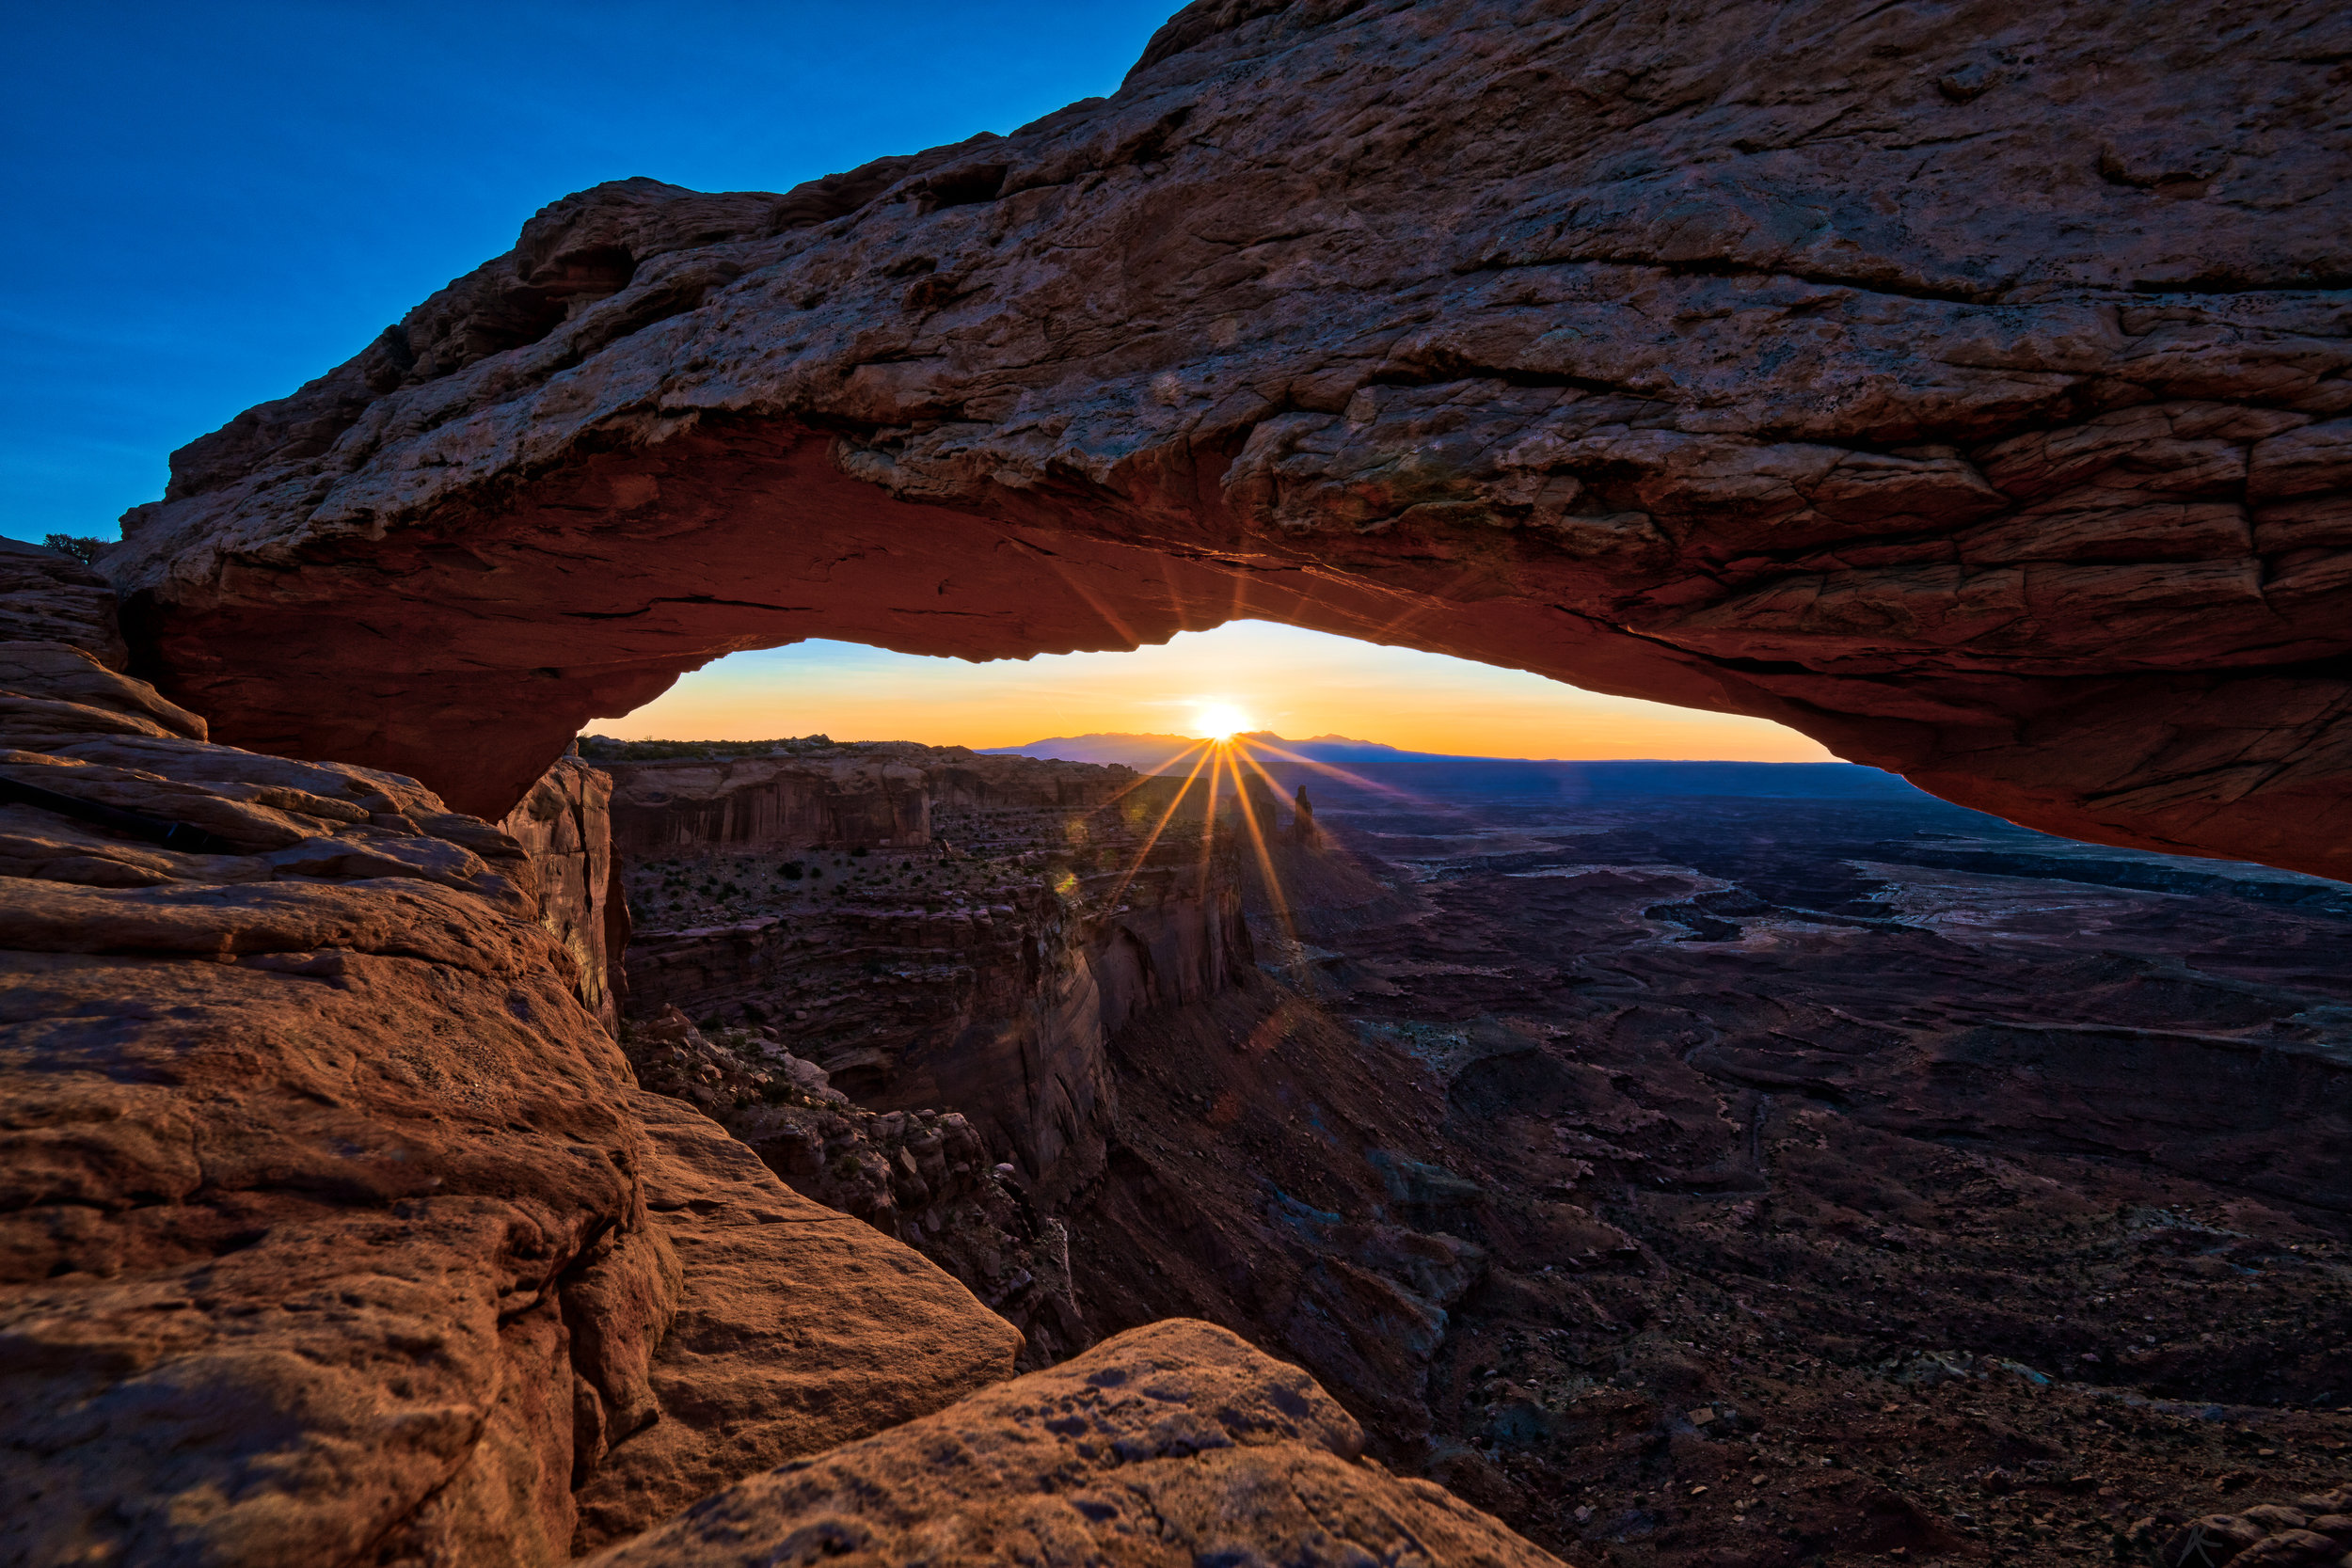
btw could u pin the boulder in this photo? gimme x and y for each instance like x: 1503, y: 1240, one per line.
x: 799, y: 1328
x: 1175, y: 1443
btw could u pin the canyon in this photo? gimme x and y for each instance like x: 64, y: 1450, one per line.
x: 1553, y: 1136
x: 1037, y: 907
x: 1838, y: 1175
x: 962, y: 986
x: 339, y: 1229
x: 421, y: 1146
x: 1571, y: 1132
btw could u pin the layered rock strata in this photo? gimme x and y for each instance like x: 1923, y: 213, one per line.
x: 985, y: 972
x: 564, y: 825
x: 813, y: 794
x: 334, y: 1229
x: 1965, y: 387
x: 864, y: 799
x: 966, y: 990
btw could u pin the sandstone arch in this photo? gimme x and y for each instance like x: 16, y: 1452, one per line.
x: 1966, y: 387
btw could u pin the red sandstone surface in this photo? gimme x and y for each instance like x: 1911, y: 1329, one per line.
x: 1560, y: 1152
x: 1964, y: 387
x: 336, y: 1231
x: 1175, y: 1445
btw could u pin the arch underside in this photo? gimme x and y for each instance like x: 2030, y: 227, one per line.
x: 1390, y: 324
x: 468, y: 653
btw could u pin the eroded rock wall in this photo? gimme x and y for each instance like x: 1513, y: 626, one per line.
x: 926, y: 1177
x: 664, y: 808
x: 818, y: 795
x: 316, y: 1155
x: 983, y: 970
x: 335, y: 1232
x: 1966, y: 387
x: 565, y: 826
x: 798, y: 1328
x: 334, y: 1229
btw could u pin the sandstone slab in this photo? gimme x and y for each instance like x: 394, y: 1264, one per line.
x: 324, y: 1224
x: 310, y: 1147
x: 800, y: 1327
x: 1174, y: 1443
x: 923, y: 1177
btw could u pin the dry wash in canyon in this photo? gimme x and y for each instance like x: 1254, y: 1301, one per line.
x: 1965, y: 387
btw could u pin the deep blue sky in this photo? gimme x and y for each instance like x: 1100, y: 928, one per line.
x: 210, y: 203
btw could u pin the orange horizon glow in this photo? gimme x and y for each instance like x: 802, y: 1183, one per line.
x: 1248, y: 675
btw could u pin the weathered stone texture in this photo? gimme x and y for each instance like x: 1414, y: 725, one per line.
x: 324, y: 1224
x: 1172, y: 1444
x: 1965, y: 387
x: 564, y: 825
x: 873, y: 793
x: 799, y: 1328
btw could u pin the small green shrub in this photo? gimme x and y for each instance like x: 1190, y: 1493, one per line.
x: 80, y: 546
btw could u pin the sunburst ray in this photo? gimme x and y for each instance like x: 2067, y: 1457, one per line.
x: 1346, y: 777
x: 1265, y: 857
x: 1208, y: 816
x: 1167, y: 816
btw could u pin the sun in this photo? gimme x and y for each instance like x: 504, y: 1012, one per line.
x: 1220, y: 722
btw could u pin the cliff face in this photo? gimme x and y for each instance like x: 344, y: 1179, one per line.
x: 334, y: 1224
x: 876, y: 795
x: 983, y: 967
x: 1963, y: 385
x: 750, y: 803
x: 565, y: 827
x: 335, y: 1232
x: 926, y: 1177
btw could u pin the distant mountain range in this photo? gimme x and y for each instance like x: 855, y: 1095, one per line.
x: 1380, y: 769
